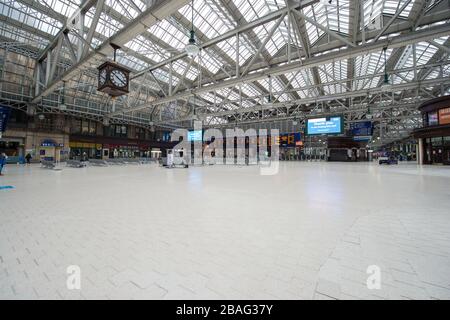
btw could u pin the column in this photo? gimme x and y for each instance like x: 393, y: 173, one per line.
x: 420, y: 151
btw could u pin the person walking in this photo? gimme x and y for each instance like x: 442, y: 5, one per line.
x: 3, y: 158
x: 28, y: 158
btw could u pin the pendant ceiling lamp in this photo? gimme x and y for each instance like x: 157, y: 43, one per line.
x: 386, y: 84
x: 192, y: 48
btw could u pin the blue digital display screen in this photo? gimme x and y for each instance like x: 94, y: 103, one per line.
x: 196, y: 135
x: 362, y: 128
x: 330, y: 125
x: 4, y: 116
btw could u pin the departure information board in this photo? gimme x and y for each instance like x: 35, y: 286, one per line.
x: 326, y: 125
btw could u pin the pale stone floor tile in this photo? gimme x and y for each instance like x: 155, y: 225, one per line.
x: 319, y: 296
x: 226, y: 232
x: 437, y: 292
x: 328, y: 288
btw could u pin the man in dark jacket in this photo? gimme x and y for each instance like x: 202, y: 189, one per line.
x: 3, y: 158
x: 28, y: 158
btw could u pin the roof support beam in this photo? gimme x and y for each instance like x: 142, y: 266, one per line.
x: 72, y: 52
x: 399, y: 41
x: 84, y: 7
x: 417, y: 13
x: 337, y: 96
x: 324, y: 29
x: 438, y: 55
x: 232, y: 33
x: 160, y: 43
x: 53, y: 62
x: 302, y: 33
x: 66, y: 42
x: 400, y: 27
x: 263, y: 45
x: 251, y: 38
x: 151, y: 38
x: 387, y: 25
x: 158, y: 11
x: 90, y: 34
x: 354, y: 27
x: 440, y: 46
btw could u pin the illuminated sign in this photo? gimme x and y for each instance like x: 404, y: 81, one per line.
x: 433, y: 118
x: 196, y: 135
x: 444, y: 116
x: 51, y: 143
x: 329, y: 125
x: 288, y: 139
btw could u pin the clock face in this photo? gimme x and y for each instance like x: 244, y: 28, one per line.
x: 102, y: 77
x: 118, y: 78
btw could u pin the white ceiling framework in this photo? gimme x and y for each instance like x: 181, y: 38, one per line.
x: 260, y: 60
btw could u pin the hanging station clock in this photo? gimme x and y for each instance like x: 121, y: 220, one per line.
x: 113, y: 78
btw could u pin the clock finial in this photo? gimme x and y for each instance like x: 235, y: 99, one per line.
x: 115, y: 47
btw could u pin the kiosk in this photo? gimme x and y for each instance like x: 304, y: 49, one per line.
x: 434, y: 136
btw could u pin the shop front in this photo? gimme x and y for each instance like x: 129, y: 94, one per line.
x: 130, y: 151
x: 434, y: 136
x: 82, y: 150
x: 123, y: 151
x: 436, y: 150
x: 12, y: 147
x: 109, y: 147
x: 50, y: 150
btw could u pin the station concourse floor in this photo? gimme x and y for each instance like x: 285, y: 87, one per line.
x: 226, y: 232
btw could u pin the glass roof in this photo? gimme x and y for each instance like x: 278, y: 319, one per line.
x: 249, y: 90
x: 253, y: 9
x: 31, y: 17
x: 369, y: 65
x: 211, y: 18
x: 208, y: 18
x: 277, y: 86
x: 36, y: 22
x: 301, y: 79
x: 392, y: 6
x: 333, y: 72
x: 424, y: 52
x: 333, y: 17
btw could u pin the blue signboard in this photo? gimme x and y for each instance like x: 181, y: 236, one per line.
x: 362, y: 128
x: 4, y: 116
x: 51, y: 143
x: 196, y: 135
x: 329, y: 125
